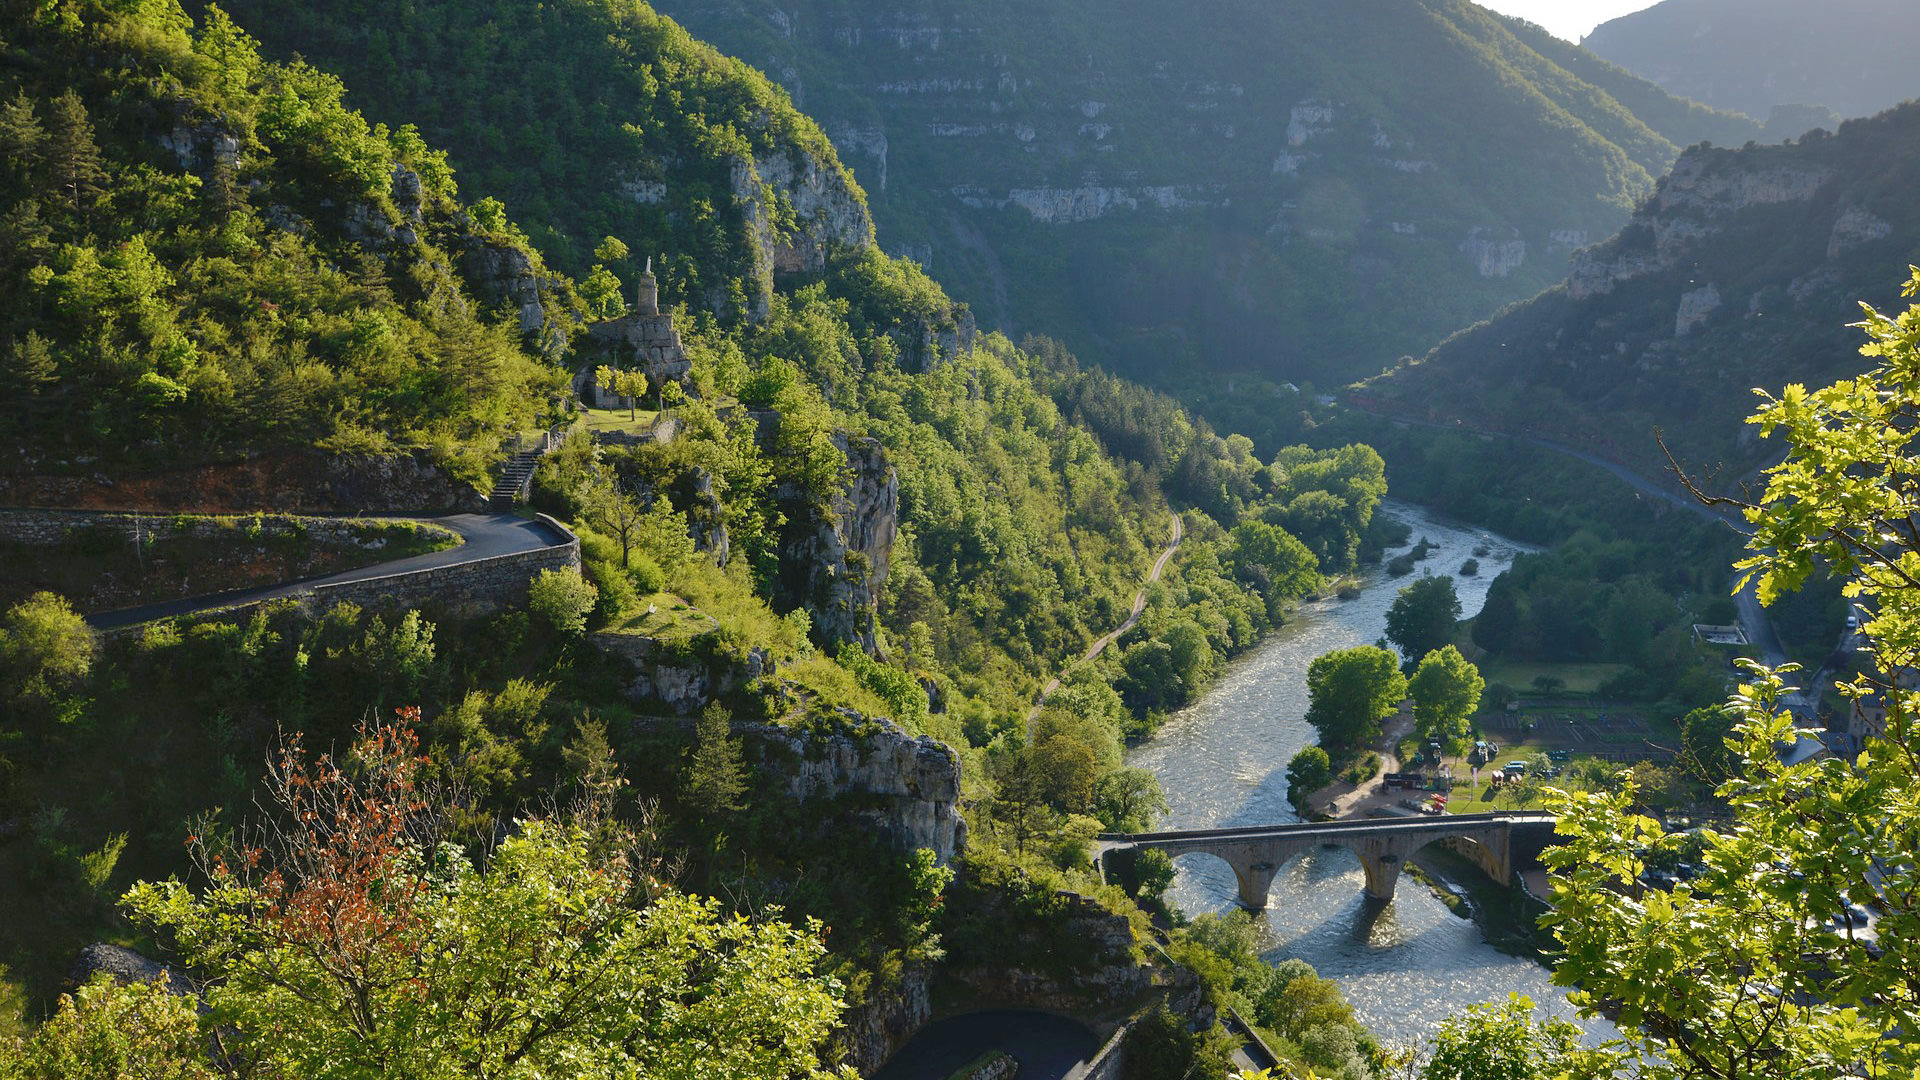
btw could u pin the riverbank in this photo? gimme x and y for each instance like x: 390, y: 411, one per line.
x: 1406, y: 966
x: 1508, y: 916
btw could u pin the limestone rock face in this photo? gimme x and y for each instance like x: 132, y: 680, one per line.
x: 910, y: 784
x: 834, y: 559
x: 878, y: 1027
x: 1856, y: 227
x: 1101, y: 969
x: 638, y: 338
x: 506, y: 276
x: 1492, y: 254
x: 1695, y: 306
x: 829, y: 215
x: 1691, y: 204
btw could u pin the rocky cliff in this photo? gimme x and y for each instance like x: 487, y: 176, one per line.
x: 686, y: 155
x: 901, y: 786
x: 1742, y: 269
x: 834, y: 558
x: 1147, y: 188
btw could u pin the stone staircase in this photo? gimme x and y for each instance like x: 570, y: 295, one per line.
x: 516, y: 476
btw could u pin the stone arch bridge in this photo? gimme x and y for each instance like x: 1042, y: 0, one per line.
x: 1496, y: 842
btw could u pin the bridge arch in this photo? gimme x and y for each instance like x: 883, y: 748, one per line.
x: 1495, y: 862
x: 1256, y: 853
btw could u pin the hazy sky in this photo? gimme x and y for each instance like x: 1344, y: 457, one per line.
x: 1570, y: 19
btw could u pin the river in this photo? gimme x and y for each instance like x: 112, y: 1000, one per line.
x: 1223, y: 761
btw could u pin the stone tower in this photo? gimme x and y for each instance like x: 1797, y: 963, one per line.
x: 647, y: 298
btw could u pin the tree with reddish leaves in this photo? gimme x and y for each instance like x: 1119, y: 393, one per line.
x: 345, y: 937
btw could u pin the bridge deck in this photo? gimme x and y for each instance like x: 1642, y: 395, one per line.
x: 1443, y: 823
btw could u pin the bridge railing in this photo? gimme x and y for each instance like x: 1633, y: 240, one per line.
x: 1427, y: 824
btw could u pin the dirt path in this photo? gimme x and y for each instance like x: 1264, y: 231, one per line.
x: 1133, y: 618
x: 1350, y: 802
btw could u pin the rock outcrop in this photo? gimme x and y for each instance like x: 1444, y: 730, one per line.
x: 834, y: 558
x: 1706, y: 187
x: 827, y: 214
x: 645, y: 338
x: 908, y: 786
x: 505, y: 276
x: 126, y: 966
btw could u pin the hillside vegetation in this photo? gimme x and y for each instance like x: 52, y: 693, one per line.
x: 1752, y: 56
x: 1291, y: 191
x: 206, y: 252
x: 284, y: 275
x: 1744, y: 269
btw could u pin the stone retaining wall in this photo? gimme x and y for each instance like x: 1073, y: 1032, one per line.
x: 480, y: 587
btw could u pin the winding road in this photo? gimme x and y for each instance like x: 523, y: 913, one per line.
x: 1133, y: 619
x: 483, y: 536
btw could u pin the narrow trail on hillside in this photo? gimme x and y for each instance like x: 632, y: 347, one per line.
x: 1133, y: 618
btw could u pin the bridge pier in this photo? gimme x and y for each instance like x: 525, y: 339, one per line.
x: 1256, y: 853
x: 1255, y: 879
x: 1383, y: 873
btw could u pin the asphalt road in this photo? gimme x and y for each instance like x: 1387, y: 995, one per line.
x: 483, y: 536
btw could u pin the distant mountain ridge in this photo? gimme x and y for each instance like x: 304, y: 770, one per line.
x: 1742, y: 270
x: 1852, y: 56
x: 1295, y: 189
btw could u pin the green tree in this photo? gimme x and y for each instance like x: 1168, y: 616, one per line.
x: 1128, y: 800
x: 1743, y: 971
x: 611, y: 511
x: 73, y: 157
x: 562, y: 599
x: 629, y: 383
x: 1446, y: 692
x: 108, y: 1031
x: 671, y: 394
x: 1309, y: 771
x: 1422, y: 617
x: 347, y: 942
x: 716, y: 770
x: 1269, y: 555
x: 1349, y: 690
x: 1705, y: 734
x: 1503, y: 1041
x: 45, y: 646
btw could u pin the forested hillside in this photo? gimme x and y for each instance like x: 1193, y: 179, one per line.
x: 857, y: 510
x: 1752, y: 56
x: 206, y: 253
x: 1744, y: 269
x: 1141, y: 182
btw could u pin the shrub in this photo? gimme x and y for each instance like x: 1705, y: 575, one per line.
x: 562, y: 598
x: 645, y: 573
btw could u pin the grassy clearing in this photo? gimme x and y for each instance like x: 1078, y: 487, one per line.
x: 829, y: 681
x: 633, y: 422
x: 1573, y: 678
x: 668, y: 618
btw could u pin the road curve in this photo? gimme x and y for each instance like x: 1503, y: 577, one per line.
x: 1133, y: 619
x: 483, y: 536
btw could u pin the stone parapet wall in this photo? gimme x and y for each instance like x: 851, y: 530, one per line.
x: 480, y: 587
